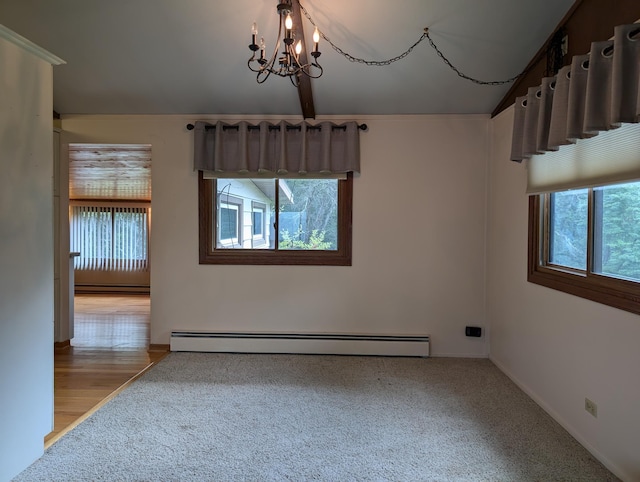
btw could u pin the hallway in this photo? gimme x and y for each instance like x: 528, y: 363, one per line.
x: 108, y: 351
x: 111, y: 322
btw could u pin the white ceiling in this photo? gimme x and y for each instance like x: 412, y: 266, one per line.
x: 190, y: 56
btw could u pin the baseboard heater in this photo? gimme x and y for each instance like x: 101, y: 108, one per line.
x: 300, y: 343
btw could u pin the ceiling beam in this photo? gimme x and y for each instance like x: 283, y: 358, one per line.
x: 304, y: 86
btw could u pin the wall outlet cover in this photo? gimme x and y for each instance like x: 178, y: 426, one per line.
x: 475, y: 331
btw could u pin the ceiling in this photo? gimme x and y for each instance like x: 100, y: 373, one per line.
x: 110, y: 171
x: 190, y: 56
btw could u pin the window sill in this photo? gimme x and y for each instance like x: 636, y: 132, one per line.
x: 262, y: 257
x: 618, y: 293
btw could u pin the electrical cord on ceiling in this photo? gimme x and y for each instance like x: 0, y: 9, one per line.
x: 425, y: 35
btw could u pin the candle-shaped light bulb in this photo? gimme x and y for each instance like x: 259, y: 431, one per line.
x: 316, y: 39
x: 299, y: 47
x: 288, y: 22
x: 262, y: 48
x: 254, y: 32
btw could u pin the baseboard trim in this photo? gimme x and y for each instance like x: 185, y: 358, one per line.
x: 556, y: 416
x: 300, y: 343
x: 62, y: 345
x: 159, y: 347
x: 111, y: 289
x: 459, y: 355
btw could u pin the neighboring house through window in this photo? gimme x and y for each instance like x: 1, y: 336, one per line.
x: 276, y: 221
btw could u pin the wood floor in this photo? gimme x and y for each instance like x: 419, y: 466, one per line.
x: 109, y: 349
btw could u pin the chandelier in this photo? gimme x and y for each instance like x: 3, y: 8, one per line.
x: 291, y: 61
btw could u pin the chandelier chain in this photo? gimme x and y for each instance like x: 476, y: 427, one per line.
x: 464, y: 76
x: 426, y: 35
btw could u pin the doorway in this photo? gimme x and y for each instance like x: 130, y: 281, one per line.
x: 110, y: 217
x: 108, y: 223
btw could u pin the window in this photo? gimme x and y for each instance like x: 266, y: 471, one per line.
x: 587, y: 242
x: 275, y: 221
x: 110, y: 238
x: 229, y: 221
x: 258, y: 220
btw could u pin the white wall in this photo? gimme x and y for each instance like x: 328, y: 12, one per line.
x: 558, y: 347
x: 26, y: 258
x: 418, y: 238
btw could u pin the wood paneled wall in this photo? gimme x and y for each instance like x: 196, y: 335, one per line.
x: 587, y: 21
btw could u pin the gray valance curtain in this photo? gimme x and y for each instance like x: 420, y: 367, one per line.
x: 278, y: 149
x: 599, y: 91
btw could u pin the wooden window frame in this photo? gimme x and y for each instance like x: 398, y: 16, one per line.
x: 339, y: 257
x: 619, y: 293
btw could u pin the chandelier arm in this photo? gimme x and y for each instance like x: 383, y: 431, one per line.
x: 251, y: 67
x: 264, y: 75
x: 272, y: 60
x: 307, y: 70
x: 296, y: 59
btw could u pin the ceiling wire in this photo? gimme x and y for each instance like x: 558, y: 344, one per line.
x: 425, y: 35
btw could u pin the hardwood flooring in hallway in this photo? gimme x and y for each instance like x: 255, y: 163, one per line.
x: 109, y: 349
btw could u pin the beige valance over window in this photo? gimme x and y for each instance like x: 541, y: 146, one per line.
x: 278, y: 149
x: 565, y: 115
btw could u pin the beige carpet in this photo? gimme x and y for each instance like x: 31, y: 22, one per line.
x: 294, y: 417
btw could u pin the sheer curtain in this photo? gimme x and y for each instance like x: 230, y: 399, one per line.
x: 110, y: 238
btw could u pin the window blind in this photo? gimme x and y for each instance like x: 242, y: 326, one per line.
x: 579, y: 128
x: 608, y: 158
x: 110, y: 238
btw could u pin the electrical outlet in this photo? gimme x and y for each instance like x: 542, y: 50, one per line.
x: 473, y: 331
x: 591, y: 407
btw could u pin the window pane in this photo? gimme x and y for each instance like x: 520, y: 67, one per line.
x: 304, y: 200
x: 568, y: 214
x: 308, y: 214
x: 244, y: 207
x: 130, y: 234
x: 228, y: 223
x: 110, y: 239
x: 257, y: 223
x: 617, y: 231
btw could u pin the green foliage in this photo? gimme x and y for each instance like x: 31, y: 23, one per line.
x: 620, y: 231
x: 568, y: 223
x: 318, y: 198
x: 616, y: 230
x: 316, y: 241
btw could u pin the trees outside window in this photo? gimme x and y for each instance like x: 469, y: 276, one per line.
x: 587, y: 242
